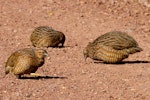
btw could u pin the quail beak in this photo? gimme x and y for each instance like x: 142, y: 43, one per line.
x: 85, y: 54
x: 85, y: 57
x: 47, y: 55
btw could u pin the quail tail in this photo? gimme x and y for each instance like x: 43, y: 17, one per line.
x: 134, y: 50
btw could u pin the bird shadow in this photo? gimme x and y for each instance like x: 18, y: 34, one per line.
x: 61, y: 46
x: 133, y: 62
x: 42, y: 77
x: 126, y: 62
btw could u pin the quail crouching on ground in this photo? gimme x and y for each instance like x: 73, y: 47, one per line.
x: 25, y: 61
x: 45, y: 36
x: 111, y: 47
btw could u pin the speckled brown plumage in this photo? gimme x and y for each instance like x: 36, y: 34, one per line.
x: 25, y: 61
x: 112, y: 47
x: 45, y: 36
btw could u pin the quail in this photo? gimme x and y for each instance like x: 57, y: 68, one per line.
x: 44, y: 36
x: 25, y: 61
x: 112, y: 47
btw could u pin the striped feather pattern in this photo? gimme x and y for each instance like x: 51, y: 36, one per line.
x: 112, y: 47
x: 116, y: 40
x: 45, y: 36
x: 110, y: 55
x: 25, y: 61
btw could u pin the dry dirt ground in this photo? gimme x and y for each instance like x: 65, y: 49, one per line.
x: 70, y: 77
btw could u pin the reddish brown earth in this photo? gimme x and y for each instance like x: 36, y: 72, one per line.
x: 81, y: 21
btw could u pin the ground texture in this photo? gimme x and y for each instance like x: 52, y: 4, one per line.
x: 81, y: 21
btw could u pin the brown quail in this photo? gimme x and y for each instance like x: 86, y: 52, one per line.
x: 45, y: 36
x: 25, y: 61
x: 111, y: 47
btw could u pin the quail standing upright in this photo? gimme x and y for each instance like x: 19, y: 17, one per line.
x: 45, y: 36
x: 111, y: 47
x: 25, y: 61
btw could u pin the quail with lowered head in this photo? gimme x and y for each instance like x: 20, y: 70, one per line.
x: 44, y: 36
x: 111, y: 47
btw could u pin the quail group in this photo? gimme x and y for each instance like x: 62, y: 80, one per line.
x: 111, y: 47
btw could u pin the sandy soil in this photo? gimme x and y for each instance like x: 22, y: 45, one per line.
x: 70, y: 77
